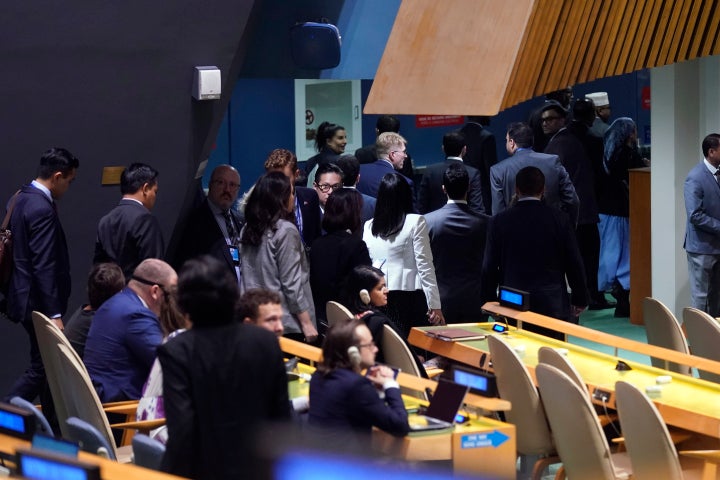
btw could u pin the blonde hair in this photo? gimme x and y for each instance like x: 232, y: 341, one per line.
x: 386, y: 142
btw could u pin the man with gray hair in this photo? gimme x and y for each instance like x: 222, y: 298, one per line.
x: 391, y: 151
x: 125, y: 333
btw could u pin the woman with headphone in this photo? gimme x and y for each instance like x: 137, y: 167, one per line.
x: 344, y: 404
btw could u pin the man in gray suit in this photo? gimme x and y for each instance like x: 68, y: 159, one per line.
x: 702, y: 235
x: 559, y: 190
x: 457, y: 239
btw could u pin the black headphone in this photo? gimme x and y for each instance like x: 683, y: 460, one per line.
x: 354, y: 355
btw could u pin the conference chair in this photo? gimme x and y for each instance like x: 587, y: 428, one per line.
x: 335, y: 312
x: 703, y: 335
x: 43, y: 426
x: 398, y: 355
x: 647, y: 439
x: 579, y: 438
x: 147, y: 452
x: 663, y: 330
x: 535, y: 444
x: 91, y: 440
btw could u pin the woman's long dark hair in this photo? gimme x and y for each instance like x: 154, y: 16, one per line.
x: 343, y: 211
x: 267, y: 204
x: 394, y: 202
x: 325, y: 132
x: 361, y: 277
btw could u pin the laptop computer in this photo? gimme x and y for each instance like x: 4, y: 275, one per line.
x: 444, y: 405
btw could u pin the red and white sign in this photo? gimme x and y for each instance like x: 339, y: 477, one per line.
x: 424, y: 121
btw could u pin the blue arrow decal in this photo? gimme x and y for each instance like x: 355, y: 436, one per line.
x: 481, y: 440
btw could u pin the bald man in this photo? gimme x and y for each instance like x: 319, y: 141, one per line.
x: 213, y: 228
x: 125, y: 333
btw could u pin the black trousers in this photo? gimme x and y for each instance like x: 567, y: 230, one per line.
x: 407, y: 309
x: 588, y: 238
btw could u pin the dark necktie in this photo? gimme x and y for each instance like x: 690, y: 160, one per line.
x: 230, y: 225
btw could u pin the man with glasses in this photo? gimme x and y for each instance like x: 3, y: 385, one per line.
x: 125, y: 333
x: 213, y: 228
x: 601, y: 100
x: 391, y: 151
x: 130, y: 233
x: 328, y: 178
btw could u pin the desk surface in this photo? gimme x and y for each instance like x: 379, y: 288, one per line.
x: 686, y: 402
x: 109, y: 469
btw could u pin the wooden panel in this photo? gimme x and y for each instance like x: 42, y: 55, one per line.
x: 640, y: 243
x: 480, y: 56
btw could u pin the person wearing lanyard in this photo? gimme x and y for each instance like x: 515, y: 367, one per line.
x: 214, y: 227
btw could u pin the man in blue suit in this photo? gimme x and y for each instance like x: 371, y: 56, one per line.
x: 125, y: 333
x: 350, y: 166
x: 41, y: 275
x: 702, y: 235
x: 559, y: 190
x: 457, y: 239
x: 391, y: 153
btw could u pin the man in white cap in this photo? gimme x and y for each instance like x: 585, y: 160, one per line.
x: 602, y: 112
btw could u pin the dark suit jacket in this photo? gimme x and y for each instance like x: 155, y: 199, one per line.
x: 41, y: 275
x: 574, y: 156
x: 368, y: 210
x: 532, y: 247
x: 372, y: 173
x: 431, y: 196
x: 559, y: 190
x: 220, y: 385
x: 127, y: 235
x: 310, y: 211
x: 347, y: 406
x: 457, y: 239
x: 368, y: 154
x: 201, y: 235
x: 121, y: 346
x: 482, y: 154
x: 332, y: 257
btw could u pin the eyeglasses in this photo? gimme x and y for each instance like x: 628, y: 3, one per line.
x: 326, y: 187
x: 549, y: 119
x: 151, y: 283
x: 367, y: 345
x: 404, y: 152
x: 224, y: 184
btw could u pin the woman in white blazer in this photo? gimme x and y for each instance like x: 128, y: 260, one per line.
x: 399, y: 245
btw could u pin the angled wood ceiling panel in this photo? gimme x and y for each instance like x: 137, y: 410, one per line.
x: 462, y: 57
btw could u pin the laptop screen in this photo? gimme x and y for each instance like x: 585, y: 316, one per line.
x: 446, y: 401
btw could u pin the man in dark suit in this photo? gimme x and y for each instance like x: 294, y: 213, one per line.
x: 531, y: 247
x: 122, y: 342
x: 481, y: 153
x: 129, y: 233
x: 457, y: 240
x: 213, y: 228
x: 391, y: 152
x: 368, y: 153
x: 351, y: 175
x: 559, y: 190
x: 431, y: 195
x: 216, y: 407
x: 307, y: 204
x: 41, y: 275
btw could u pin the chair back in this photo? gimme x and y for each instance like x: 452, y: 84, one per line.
x: 552, y: 357
x: 647, y: 439
x: 147, y: 452
x: 703, y: 335
x: 579, y: 438
x: 89, y: 438
x: 663, y: 330
x: 398, y: 355
x: 527, y: 413
x: 80, y: 396
x: 43, y: 426
x: 335, y: 312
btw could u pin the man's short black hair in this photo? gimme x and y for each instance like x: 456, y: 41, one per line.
x: 387, y: 123
x: 54, y: 160
x: 350, y: 166
x: 711, y: 141
x: 207, y: 292
x: 521, y: 134
x: 453, y: 143
x: 104, y: 281
x: 584, y: 111
x: 554, y: 106
x: 456, y: 181
x: 530, y: 182
x: 250, y: 302
x: 135, y: 176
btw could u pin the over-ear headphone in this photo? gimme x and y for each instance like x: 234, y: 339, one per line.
x: 365, y: 296
x: 354, y: 355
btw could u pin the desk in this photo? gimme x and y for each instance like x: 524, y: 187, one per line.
x: 483, y: 445
x: 686, y: 402
x: 109, y: 469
